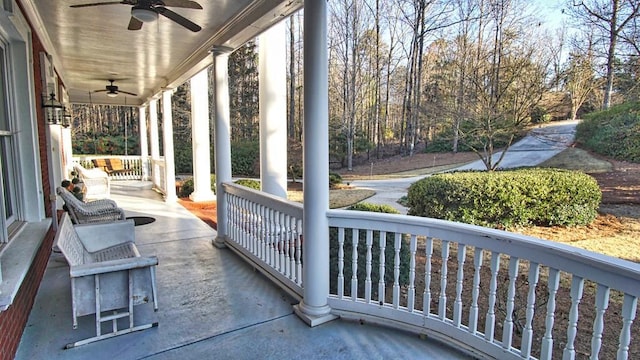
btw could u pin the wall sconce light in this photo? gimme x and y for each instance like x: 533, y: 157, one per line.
x: 66, y: 118
x: 53, y: 109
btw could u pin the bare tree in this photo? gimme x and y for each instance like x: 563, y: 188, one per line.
x: 580, y: 75
x: 611, y: 18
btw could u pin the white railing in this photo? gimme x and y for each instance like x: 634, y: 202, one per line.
x: 462, y: 284
x: 158, y: 175
x: 491, y: 293
x: 133, y: 165
x: 267, y: 231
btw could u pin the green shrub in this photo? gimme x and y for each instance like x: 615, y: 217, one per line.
x: 250, y: 183
x: 334, y: 180
x: 389, y: 255
x: 517, y: 197
x: 381, y: 208
x: 187, y: 186
x: 244, y: 157
x: 614, y: 132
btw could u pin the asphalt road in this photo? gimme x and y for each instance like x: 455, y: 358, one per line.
x: 538, y: 146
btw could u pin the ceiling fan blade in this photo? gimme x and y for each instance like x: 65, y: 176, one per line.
x: 134, y: 24
x: 101, y: 3
x: 128, y: 93
x: 178, y: 18
x: 181, y: 3
x: 103, y: 90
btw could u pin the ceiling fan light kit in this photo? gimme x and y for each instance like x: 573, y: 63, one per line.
x: 144, y: 11
x: 144, y: 14
x: 113, y: 91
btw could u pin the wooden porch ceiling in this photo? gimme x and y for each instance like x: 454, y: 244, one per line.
x: 90, y: 45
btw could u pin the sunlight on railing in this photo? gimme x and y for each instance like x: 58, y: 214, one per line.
x: 267, y: 230
x: 133, y: 165
x: 488, y: 292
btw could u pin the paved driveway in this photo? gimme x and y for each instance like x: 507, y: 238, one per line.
x: 538, y: 146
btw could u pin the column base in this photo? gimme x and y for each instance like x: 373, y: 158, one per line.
x: 204, y: 196
x: 219, y: 242
x: 314, y: 316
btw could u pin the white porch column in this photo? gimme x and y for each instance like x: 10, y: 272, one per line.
x: 57, y: 171
x: 273, y: 110
x: 169, y: 161
x: 222, y: 137
x: 144, y: 143
x: 313, y: 308
x: 67, y: 152
x: 200, y: 138
x: 155, y: 142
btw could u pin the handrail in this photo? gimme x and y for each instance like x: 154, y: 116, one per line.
x: 134, y: 164
x: 491, y: 293
x: 504, y: 304
x: 267, y: 231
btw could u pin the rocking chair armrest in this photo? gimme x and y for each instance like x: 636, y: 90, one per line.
x: 102, y: 203
x: 97, y: 210
x: 105, y: 267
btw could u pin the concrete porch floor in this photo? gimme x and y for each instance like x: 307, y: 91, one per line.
x: 212, y: 305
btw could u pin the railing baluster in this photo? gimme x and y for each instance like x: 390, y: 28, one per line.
x: 457, y: 304
x: 490, y: 322
x: 507, y: 331
x: 367, y: 281
x: 413, y: 247
x: 527, y: 333
x: 629, y: 307
x: 577, y: 287
x: 265, y: 239
x: 276, y: 234
x: 355, y: 237
x: 442, y: 304
x: 341, y: 262
x: 270, y: 237
x: 253, y: 218
x: 381, y: 283
x: 292, y: 246
x: 396, y: 270
x: 285, y: 230
x: 602, y: 303
x: 547, y: 341
x: 299, y: 239
x: 426, y: 301
x: 233, y: 204
x: 473, y: 311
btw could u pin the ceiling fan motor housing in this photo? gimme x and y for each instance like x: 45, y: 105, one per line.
x: 144, y: 13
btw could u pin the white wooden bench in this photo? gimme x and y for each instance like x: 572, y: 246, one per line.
x: 107, y: 274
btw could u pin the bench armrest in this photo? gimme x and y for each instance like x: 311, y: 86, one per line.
x: 96, y: 237
x: 112, y: 266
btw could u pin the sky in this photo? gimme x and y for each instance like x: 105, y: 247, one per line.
x: 551, y: 11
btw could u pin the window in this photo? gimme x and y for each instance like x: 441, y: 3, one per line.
x: 7, y: 182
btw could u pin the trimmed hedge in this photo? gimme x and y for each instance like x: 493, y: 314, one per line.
x: 614, y: 132
x: 389, y: 254
x: 187, y: 186
x: 250, y: 183
x: 515, y: 197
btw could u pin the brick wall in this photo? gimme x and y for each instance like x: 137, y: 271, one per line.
x: 14, y: 319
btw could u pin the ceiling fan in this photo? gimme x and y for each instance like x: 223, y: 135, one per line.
x: 112, y: 90
x: 148, y: 10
